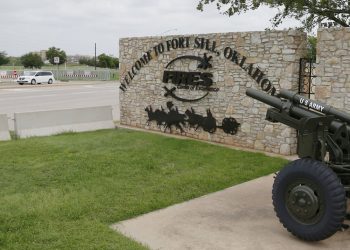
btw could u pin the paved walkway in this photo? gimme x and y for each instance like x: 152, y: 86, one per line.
x: 240, y: 217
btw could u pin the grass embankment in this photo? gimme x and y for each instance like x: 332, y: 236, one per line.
x: 63, y: 192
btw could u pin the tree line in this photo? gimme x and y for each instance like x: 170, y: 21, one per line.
x: 309, y: 12
x: 34, y: 60
x: 102, y: 61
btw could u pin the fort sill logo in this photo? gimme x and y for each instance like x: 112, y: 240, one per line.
x: 185, y: 82
x: 200, y: 81
x: 189, y: 80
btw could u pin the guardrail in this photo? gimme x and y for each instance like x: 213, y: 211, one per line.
x: 103, y: 75
x: 44, y: 123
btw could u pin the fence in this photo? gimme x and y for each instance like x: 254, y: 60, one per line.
x: 307, y: 77
x: 65, y: 75
x: 103, y: 75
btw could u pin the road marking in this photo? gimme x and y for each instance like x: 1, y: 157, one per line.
x: 25, y: 97
x: 14, y: 90
x: 38, y: 96
x: 59, y: 91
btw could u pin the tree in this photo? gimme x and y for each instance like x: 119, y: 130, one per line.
x: 32, y: 60
x: 87, y: 61
x: 15, y: 61
x: 53, y: 52
x: 3, y: 58
x: 311, y: 47
x: 309, y: 12
x: 116, y: 62
x: 103, y: 61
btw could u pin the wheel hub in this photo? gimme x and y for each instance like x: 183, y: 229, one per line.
x: 303, y: 203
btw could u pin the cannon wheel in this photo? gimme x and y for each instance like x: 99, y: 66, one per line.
x: 309, y: 199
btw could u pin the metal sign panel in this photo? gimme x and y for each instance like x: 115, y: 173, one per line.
x: 56, y: 60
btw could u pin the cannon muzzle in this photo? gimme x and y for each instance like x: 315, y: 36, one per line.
x: 265, y: 98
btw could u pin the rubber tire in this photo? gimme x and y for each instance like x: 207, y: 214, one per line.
x: 331, y: 188
x: 50, y: 81
x: 33, y: 81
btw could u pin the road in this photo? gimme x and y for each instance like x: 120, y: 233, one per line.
x: 27, y: 98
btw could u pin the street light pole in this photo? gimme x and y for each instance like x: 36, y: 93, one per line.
x: 95, y: 56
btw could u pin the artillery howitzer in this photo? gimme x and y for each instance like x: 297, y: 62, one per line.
x: 310, y: 194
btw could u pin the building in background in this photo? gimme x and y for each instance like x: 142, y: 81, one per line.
x: 74, y: 59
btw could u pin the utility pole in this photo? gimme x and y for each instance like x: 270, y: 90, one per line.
x: 95, y: 56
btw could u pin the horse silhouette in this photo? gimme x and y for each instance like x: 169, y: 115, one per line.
x: 167, y: 119
x: 175, y: 118
x: 194, y: 120
x: 158, y: 115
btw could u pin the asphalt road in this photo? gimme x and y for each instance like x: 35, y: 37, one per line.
x: 27, y: 98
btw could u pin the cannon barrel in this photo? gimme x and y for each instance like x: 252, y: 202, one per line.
x: 279, y: 104
x: 317, y: 106
x: 295, y: 110
x: 265, y: 98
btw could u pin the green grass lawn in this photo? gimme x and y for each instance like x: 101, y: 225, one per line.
x: 63, y: 192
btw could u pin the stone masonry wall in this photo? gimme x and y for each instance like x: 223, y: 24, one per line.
x: 235, y: 59
x: 333, y: 67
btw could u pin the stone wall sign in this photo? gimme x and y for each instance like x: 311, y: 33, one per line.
x: 193, y: 80
x: 195, y: 85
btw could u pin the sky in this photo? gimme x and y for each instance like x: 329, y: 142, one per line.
x: 76, y: 25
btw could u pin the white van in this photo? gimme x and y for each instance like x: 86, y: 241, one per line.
x: 36, y: 77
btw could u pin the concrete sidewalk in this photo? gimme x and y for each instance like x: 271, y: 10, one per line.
x: 240, y: 217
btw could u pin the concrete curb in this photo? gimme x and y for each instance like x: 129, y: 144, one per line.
x: 287, y: 157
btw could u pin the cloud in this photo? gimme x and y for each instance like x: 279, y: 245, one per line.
x: 75, y: 25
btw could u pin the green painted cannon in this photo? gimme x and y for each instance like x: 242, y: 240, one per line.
x: 310, y: 194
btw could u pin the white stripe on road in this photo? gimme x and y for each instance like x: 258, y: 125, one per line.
x: 39, y: 96
x: 90, y: 89
x: 4, y: 96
